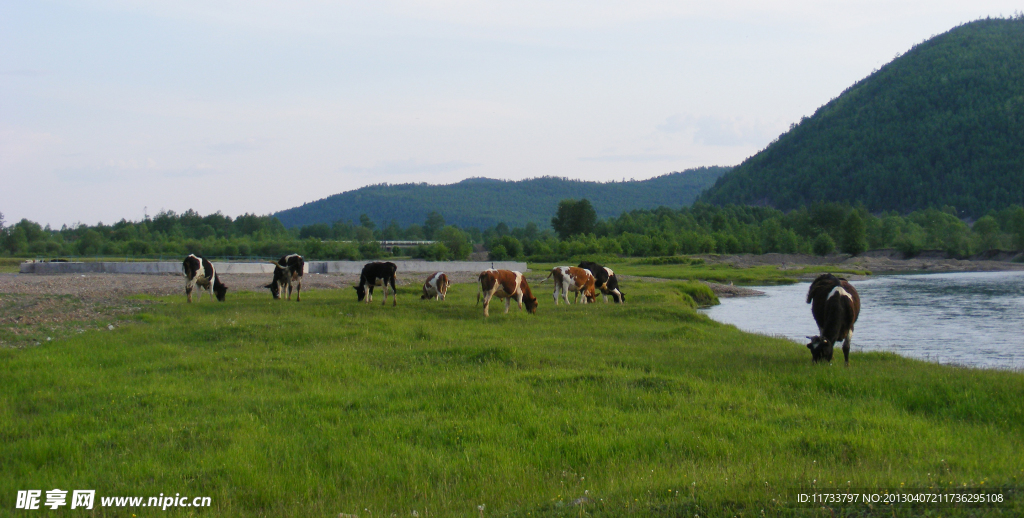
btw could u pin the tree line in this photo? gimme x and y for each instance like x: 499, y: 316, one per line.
x: 820, y: 228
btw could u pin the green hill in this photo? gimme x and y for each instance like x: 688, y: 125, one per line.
x: 483, y: 202
x: 940, y: 125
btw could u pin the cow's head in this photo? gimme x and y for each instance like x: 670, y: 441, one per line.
x: 360, y: 292
x: 220, y: 290
x: 618, y: 296
x: 275, y: 290
x: 821, y: 349
x: 531, y: 304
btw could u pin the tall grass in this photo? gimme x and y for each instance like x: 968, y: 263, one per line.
x: 329, y: 406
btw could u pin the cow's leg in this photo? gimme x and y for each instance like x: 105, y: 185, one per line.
x: 846, y: 350
x: 188, y: 292
x: 617, y: 296
x: 394, y: 293
x: 554, y: 294
x: 565, y: 294
x: 508, y: 303
x: 369, y: 293
x: 487, y: 303
x: 298, y: 291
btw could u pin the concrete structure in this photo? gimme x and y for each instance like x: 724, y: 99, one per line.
x: 415, y: 266
x: 326, y: 267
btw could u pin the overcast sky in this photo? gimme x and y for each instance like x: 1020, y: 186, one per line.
x: 112, y: 108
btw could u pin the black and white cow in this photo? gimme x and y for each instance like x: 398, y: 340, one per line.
x: 199, y: 271
x: 287, y: 272
x: 605, y: 280
x: 835, y: 305
x: 377, y: 274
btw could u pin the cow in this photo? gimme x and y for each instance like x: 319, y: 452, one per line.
x: 436, y: 286
x: 605, y: 280
x: 377, y: 274
x: 505, y: 284
x: 576, y: 280
x: 287, y: 272
x: 199, y: 271
x: 835, y: 305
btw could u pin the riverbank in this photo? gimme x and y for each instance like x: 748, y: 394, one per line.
x: 876, y: 262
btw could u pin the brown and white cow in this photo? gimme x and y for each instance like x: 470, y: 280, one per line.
x: 287, y: 273
x: 574, y: 279
x: 436, y: 286
x: 505, y: 284
x: 835, y: 305
x: 199, y: 271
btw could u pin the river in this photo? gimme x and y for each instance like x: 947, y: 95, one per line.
x: 971, y: 319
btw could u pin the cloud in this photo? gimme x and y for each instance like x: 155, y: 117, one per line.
x: 238, y: 146
x: 129, y: 171
x: 632, y: 158
x: 719, y: 131
x: 24, y: 72
x: 408, y: 167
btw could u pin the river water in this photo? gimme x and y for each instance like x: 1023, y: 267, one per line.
x: 973, y: 319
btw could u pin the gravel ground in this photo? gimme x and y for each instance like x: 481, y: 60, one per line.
x: 39, y: 308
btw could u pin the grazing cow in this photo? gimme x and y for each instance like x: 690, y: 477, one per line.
x: 377, y: 274
x: 507, y: 285
x: 835, y: 305
x: 287, y: 272
x: 576, y: 280
x: 199, y: 271
x: 605, y: 280
x: 436, y: 286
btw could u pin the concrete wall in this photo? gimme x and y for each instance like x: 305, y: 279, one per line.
x: 174, y: 268
x: 416, y: 266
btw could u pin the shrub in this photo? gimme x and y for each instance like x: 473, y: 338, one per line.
x: 823, y: 244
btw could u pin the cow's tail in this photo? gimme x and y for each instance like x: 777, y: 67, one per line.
x: 277, y: 264
x: 552, y: 272
x: 480, y: 288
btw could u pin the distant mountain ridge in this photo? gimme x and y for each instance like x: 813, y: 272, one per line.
x: 940, y: 125
x: 484, y: 202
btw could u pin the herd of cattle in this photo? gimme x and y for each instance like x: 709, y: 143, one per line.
x: 835, y: 304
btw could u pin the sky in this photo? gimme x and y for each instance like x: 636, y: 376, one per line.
x: 118, y: 109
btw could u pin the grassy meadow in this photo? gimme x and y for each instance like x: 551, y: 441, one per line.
x: 330, y: 406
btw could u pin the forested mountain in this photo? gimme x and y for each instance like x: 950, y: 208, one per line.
x: 482, y: 202
x: 940, y: 125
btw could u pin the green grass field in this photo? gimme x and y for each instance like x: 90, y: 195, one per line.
x: 329, y: 406
x: 686, y: 269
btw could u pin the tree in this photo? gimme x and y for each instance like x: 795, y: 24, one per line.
x: 366, y: 222
x: 456, y: 241
x: 434, y: 223
x: 574, y: 218
x: 823, y: 244
x: 987, y: 231
x: 1017, y: 227
x: 854, y: 236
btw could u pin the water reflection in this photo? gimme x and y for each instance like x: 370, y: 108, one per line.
x: 974, y: 319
